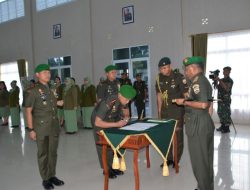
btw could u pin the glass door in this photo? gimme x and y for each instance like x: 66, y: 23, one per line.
x: 134, y: 60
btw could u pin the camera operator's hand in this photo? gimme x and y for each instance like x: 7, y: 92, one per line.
x: 216, y: 78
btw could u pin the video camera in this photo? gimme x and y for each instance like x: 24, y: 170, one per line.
x: 214, y: 74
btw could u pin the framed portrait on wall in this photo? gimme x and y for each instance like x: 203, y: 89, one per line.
x: 128, y: 14
x: 57, y: 32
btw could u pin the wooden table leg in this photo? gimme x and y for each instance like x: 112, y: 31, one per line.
x: 147, y: 156
x: 175, y: 154
x: 105, y: 167
x: 136, y: 171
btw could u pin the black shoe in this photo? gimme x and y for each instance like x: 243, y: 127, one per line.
x: 220, y: 128
x: 55, y: 181
x: 225, y: 129
x: 5, y: 124
x: 47, y: 185
x: 111, y: 174
x: 117, y: 172
x: 14, y: 126
x: 71, y: 133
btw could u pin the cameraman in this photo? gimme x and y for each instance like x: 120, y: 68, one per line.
x: 224, y: 100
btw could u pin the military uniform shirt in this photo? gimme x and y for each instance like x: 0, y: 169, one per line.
x: 198, y: 121
x: 108, y: 88
x: 222, y: 93
x: 43, y: 101
x: 175, y: 85
x: 109, y: 110
x: 14, y: 97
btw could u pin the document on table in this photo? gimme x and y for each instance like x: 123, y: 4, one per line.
x: 139, y: 126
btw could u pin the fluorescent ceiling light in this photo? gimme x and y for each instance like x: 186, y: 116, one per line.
x: 2, y: 1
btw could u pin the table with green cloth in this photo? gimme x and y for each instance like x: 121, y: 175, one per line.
x: 160, y: 136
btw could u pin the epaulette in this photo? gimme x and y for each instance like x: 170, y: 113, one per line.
x: 111, y: 103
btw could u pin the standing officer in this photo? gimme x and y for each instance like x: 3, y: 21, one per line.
x: 59, y: 94
x: 169, y: 86
x: 14, y: 104
x: 108, y: 114
x: 198, y: 122
x: 141, y: 96
x: 41, y: 110
x: 224, y: 96
x: 125, y: 80
x: 111, y: 85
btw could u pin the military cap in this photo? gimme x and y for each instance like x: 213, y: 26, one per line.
x: 164, y: 61
x: 127, y: 91
x: 227, y: 68
x: 42, y: 67
x: 110, y: 68
x: 193, y: 60
x: 13, y: 82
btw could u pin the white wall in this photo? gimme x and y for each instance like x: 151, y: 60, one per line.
x: 75, y: 41
x: 97, y: 25
x: 223, y: 16
x: 15, y: 38
x: 109, y: 33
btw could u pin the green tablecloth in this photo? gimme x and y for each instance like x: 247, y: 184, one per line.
x: 160, y: 136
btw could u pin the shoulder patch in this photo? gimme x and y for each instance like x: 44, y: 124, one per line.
x: 196, y: 88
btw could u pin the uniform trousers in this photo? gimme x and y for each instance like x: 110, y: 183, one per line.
x: 86, y: 116
x: 110, y: 152
x: 15, y: 116
x: 4, y: 111
x: 70, y: 117
x: 201, y: 150
x: 47, y: 155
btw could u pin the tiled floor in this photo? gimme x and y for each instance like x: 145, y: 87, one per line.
x: 78, y: 165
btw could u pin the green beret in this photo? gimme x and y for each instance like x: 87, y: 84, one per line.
x: 227, y: 68
x: 127, y: 91
x: 164, y: 61
x: 193, y: 60
x: 42, y: 67
x: 110, y: 68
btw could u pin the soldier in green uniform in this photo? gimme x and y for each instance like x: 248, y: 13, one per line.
x: 126, y: 81
x: 59, y: 93
x: 88, y: 101
x: 99, y: 88
x: 224, y: 100
x: 70, y: 95
x: 141, y: 96
x: 108, y: 114
x: 78, y: 110
x: 169, y: 86
x: 198, y: 122
x: 41, y: 110
x: 14, y: 104
x: 4, y: 103
x: 111, y: 85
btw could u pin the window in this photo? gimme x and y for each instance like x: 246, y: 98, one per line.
x: 134, y: 60
x: 45, y: 4
x: 233, y: 49
x: 8, y: 73
x: 60, y: 66
x: 11, y: 9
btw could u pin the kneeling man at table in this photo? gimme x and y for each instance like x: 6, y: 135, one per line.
x: 109, y: 114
